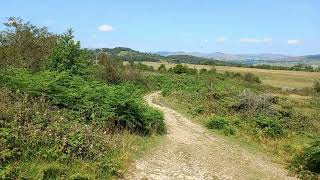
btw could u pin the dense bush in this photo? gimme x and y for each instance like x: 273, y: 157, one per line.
x: 217, y: 122
x: 69, y: 57
x: 316, y: 86
x: 309, y: 160
x: 221, y: 123
x: 39, y: 141
x: 89, y: 101
x: 162, y: 68
x: 250, y: 102
x: 250, y: 77
x: 180, y: 69
x: 24, y: 45
x: 112, y: 70
x: 270, y: 126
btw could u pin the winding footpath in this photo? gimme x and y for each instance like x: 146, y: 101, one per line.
x: 189, y: 151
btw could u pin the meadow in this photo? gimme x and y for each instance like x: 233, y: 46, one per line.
x: 276, y: 78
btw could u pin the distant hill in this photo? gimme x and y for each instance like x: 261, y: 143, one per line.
x: 217, y: 58
x: 228, y: 57
x: 264, y: 58
x: 128, y: 54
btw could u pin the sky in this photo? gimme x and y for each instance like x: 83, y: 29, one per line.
x: 290, y: 27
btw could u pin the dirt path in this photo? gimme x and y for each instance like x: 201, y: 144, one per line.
x: 190, y: 152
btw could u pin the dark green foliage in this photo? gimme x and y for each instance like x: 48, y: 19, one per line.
x: 24, y: 45
x: 89, y: 101
x: 162, y: 68
x: 180, y: 69
x: 316, y: 86
x: 203, y: 71
x: 51, y: 173
x: 270, y: 126
x: 250, y: 77
x: 217, y: 122
x: 68, y: 56
x: 32, y: 130
x: 112, y: 70
x: 80, y: 177
x: 309, y: 160
x: 221, y: 123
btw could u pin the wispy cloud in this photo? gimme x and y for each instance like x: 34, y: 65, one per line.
x: 293, y: 41
x: 106, y: 28
x: 221, y: 39
x: 256, y: 40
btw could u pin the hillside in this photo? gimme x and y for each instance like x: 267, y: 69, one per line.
x: 127, y: 54
x: 266, y: 58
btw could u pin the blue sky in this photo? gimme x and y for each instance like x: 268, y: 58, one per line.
x: 231, y: 26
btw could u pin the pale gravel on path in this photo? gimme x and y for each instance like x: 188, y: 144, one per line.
x: 189, y: 151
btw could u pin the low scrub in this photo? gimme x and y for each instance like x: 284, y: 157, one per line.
x: 90, y: 102
x: 270, y: 126
x: 308, y: 161
x: 250, y: 77
x: 41, y: 141
x: 250, y: 102
x: 220, y: 123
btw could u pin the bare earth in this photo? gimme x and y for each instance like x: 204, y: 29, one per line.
x: 189, y: 151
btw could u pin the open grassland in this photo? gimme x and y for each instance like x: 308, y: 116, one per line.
x: 276, y: 78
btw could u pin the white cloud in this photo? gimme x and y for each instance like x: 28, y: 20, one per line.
x: 255, y: 40
x: 221, y: 39
x: 293, y: 41
x: 106, y: 28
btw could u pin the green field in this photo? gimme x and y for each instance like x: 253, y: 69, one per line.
x: 275, y: 78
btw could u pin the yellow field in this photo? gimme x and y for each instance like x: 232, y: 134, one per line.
x: 276, y: 78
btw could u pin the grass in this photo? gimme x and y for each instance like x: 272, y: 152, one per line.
x: 275, y: 78
x: 265, y: 119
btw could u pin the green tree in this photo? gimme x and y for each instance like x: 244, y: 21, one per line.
x: 68, y: 56
x: 180, y: 69
x: 162, y: 68
x: 24, y: 45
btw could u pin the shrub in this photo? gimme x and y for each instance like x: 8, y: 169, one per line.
x: 316, y: 86
x: 23, y: 45
x: 162, y: 68
x: 192, y: 71
x: 251, y: 103
x: 90, y: 102
x: 217, y: 122
x: 270, y: 126
x: 39, y: 139
x: 229, y: 130
x: 180, y: 69
x: 52, y: 172
x: 203, y: 71
x: 250, y: 77
x: 212, y: 70
x: 113, y: 71
x: 68, y: 56
x: 309, y: 160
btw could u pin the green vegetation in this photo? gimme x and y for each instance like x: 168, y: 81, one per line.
x: 70, y: 113
x: 309, y: 160
x: 62, y: 116
x: 127, y: 54
x: 316, y: 86
x: 239, y: 106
